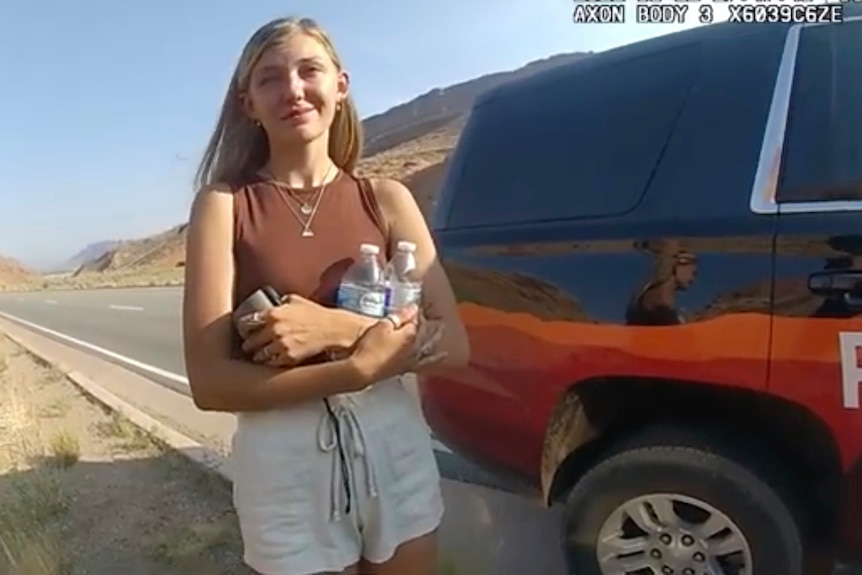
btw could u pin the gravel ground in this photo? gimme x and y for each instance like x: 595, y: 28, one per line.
x: 83, y: 492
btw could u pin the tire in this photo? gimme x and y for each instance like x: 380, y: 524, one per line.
x: 691, y: 469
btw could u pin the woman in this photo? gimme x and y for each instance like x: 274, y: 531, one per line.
x: 327, y: 479
x: 674, y: 270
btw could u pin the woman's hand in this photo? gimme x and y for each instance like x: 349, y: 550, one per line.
x: 395, y: 345
x: 287, y: 334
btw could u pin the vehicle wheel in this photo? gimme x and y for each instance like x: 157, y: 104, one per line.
x: 673, y: 503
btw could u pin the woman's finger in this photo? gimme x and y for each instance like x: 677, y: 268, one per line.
x: 247, y: 324
x: 426, y: 341
x: 403, y: 316
x: 281, y: 360
x: 267, y: 352
x: 431, y: 359
x: 434, y: 335
x: 258, y: 338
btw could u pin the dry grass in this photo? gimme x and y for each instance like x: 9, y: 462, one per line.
x: 55, y: 409
x: 85, y: 491
x: 132, y: 277
x: 28, y: 505
x: 120, y: 428
x: 64, y: 449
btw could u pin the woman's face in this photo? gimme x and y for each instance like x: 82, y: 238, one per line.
x: 685, y: 271
x: 294, y: 89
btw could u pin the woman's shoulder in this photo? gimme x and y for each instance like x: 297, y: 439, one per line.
x: 393, y: 196
x: 227, y: 190
x: 389, y: 191
x: 235, y: 185
x: 216, y: 188
x: 212, y: 200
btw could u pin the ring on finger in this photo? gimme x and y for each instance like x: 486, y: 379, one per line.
x: 394, y: 320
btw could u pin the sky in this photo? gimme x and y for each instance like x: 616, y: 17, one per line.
x: 107, y: 104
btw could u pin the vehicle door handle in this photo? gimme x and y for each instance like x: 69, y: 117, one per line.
x: 846, y: 284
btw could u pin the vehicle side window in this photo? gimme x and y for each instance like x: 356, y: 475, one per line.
x: 822, y: 156
x: 581, y: 146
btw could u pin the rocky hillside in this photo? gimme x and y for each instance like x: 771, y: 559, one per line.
x: 14, y: 273
x: 410, y: 142
x: 161, y: 250
x: 442, y: 106
x: 90, y: 253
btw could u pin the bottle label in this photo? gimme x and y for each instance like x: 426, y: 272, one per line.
x: 400, y: 296
x: 362, y: 300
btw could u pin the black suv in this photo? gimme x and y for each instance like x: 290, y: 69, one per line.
x: 657, y: 252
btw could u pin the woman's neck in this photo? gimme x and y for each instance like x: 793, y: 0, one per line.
x: 302, y: 167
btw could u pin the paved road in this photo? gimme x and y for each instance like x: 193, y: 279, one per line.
x: 140, y: 328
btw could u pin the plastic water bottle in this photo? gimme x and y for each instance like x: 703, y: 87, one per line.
x: 403, y: 287
x: 362, y: 288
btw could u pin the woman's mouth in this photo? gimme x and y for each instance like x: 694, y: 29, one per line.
x: 297, y: 115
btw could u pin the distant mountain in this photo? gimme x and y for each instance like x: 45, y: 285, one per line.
x: 410, y: 142
x: 164, y: 249
x: 441, y: 106
x: 90, y: 253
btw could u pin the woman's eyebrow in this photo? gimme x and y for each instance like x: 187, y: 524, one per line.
x: 281, y: 66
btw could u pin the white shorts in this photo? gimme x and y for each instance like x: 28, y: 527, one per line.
x: 289, y: 490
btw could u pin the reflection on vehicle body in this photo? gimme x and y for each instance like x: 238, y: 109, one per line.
x: 674, y: 270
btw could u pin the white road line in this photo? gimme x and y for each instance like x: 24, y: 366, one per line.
x: 51, y: 301
x: 126, y: 307
x: 138, y: 364
x: 100, y: 350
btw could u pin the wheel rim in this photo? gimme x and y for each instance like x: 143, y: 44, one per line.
x: 671, y: 534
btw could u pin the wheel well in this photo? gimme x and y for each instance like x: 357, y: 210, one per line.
x: 615, y: 408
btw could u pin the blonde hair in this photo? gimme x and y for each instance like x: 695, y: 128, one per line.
x: 238, y: 147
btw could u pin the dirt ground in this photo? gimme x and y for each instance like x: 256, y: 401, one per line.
x: 82, y: 491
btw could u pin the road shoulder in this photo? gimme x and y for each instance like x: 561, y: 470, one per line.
x: 82, y: 489
x: 127, y: 391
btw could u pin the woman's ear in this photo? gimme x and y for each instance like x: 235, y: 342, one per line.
x: 343, y: 86
x: 247, y: 107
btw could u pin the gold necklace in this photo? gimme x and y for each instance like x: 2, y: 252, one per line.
x: 305, y: 209
x: 304, y: 206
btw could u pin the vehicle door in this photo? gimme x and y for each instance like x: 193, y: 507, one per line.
x: 812, y: 177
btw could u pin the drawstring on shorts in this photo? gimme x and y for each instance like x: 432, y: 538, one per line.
x: 340, y: 431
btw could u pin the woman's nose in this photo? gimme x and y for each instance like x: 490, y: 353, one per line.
x: 294, y: 88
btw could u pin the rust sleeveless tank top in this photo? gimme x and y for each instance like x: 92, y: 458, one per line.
x: 269, y: 247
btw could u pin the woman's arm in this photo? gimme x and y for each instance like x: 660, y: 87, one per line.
x: 346, y: 327
x: 406, y: 222
x: 217, y: 381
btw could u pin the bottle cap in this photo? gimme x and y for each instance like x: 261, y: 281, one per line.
x: 369, y: 249
x: 406, y: 246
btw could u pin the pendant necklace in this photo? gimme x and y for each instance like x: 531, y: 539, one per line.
x: 305, y: 208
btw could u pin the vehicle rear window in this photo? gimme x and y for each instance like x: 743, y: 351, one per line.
x: 583, y: 147
x: 822, y: 157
